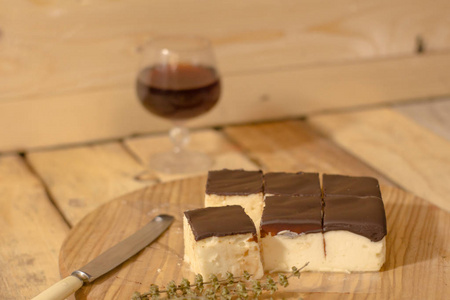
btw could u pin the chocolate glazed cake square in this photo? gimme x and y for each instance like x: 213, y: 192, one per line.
x: 292, y: 184
x: 364, y: 216
x: 234, y: 182
x: 223, y: 239
x: 219, y: 221
x: 294, y: 214
x: 291, y: 233
x: 350, y: 185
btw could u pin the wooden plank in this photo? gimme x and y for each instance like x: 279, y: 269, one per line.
x: 294, y: 146
x: 52, y: 47
x: 82, y: 178
x: 211, y: 142
x: 75, y: 118
x: 412, y: 156
x: 31, y: 234
x: 418, y: 235
x: 434, y: 115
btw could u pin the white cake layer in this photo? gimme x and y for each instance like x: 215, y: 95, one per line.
x: 345, y: 252
x: 219, y: 255
x: 252, y: 204
x: 286, y: 250
x: 350, y: 252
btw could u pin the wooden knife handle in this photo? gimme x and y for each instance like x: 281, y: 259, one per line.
x: 61, y: 290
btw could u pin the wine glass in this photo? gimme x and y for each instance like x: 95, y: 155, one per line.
x: 178, y: 80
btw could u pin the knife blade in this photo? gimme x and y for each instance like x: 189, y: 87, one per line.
x: 108, y: 260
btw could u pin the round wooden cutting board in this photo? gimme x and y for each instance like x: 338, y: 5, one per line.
x: 416, y: 266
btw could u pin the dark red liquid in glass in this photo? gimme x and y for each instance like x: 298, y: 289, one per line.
x: 178, y: 92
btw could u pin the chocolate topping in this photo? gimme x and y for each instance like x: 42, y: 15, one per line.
x: 352, y: 186
x: 295, y: 214
x: 219, y: 221
x: 234, y: 182
x: 361, y: 215
x: 294, y: 184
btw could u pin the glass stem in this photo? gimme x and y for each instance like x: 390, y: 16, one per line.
x: 180, y: 137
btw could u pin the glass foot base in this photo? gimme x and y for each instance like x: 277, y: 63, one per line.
x: 179, y: 163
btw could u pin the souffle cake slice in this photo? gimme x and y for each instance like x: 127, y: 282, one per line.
x: 222, y: 239
x: 291, y: 233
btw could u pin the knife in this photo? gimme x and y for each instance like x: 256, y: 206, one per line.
x: 108, y: 260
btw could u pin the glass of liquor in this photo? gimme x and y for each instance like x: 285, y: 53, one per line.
x: 178, y: 80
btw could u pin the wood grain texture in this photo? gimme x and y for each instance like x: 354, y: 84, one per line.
x: 433, y: 115
x: 68, y: 68
x: 82, y: 178
x: 416, y: 248
x: 75, y: 46
x: 295, y: 146
x: 211, y: 142
x: 410, y: 155
x: 31, y: 234
x: 279, y: 94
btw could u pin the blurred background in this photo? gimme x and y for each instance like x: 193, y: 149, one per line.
x: 68, y: 68
x: 358, y: 88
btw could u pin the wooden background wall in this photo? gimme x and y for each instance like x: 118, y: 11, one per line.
x: 67, y: 68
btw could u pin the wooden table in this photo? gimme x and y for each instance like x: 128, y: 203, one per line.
x: 44, y: 193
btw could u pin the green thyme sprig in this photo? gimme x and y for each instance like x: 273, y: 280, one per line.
x: 231, y: 287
